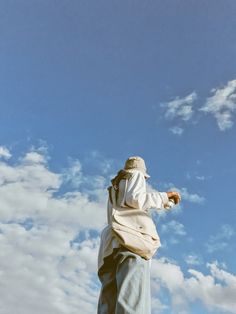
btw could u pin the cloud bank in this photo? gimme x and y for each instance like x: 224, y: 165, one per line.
x: 43, y: 265
x: 216, y: 290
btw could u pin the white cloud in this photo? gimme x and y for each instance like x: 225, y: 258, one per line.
x: 4, y: 152
x: 216, y: 290
x: 158, y: 306
x: 177, y: 130
x: 173, y: 227
x: 193, y: 259
x: 174, y: 230
x: 34, y: 158
x: 73, y: 174
x: 195, y: 175
x: 180, y: 107
x: 201, y: 178
x: 222, y: 105
x: 34, y: 185
x: 167, y: 273
x: 43, y: 273
x: 191, y: 197
x: 39, y: 257
x: 221, y: 240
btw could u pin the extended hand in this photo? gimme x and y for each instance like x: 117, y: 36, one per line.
x: 175, y: 196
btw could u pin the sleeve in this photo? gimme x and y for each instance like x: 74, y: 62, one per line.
x: 136, y: 195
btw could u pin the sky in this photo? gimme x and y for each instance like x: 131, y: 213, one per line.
x: 83, y: 86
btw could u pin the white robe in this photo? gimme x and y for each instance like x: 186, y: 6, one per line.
x: 132, y: 193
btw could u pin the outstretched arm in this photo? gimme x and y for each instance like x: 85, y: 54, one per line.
x: 137, y: 196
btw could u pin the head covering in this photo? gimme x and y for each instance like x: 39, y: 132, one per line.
x: 138, y: 163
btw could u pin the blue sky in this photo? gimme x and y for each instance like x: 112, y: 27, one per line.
x: 84, y: 85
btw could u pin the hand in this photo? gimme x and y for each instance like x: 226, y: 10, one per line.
x: 175, y: 196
